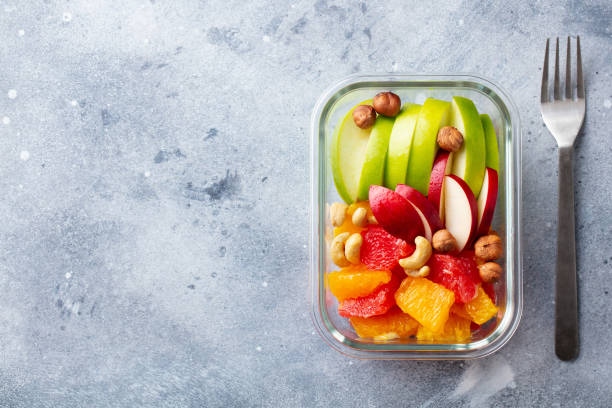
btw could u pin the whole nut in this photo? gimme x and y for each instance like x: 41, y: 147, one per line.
x: 352, y: 248
x: 337, y: 249
x: 387, y: 103
x: 337, y: 213
x: 449, y: 138
x: 364, y: 116
x: 490, y: 272
x: 418, y: 259
x: 488, y: 247
x: 372, y: 219
x: 443, y: 241
x: 360, y: 217
x: 422, y: 272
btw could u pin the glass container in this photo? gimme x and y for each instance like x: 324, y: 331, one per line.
x: 489, y: 98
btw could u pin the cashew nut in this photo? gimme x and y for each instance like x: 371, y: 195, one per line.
x: 337, y: 213
x: 387, y: 336
x: 422, y: 272
x: 360, y: 217
x: 352, y: 248
x: 337, y: 249
x: 372, y: 219
x: 414, y: 265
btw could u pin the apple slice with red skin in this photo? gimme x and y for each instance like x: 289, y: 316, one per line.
x: 427, y: 212
x: 486, y: 201
x: 395, y: 214
x: 443, y: 165
x: 461, y: 210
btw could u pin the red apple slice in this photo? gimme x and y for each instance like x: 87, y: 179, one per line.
x: 486, y: 201
x: 395, y: 214
x: 461, y: 210
x: 443, y: 165
x: 427, y: 212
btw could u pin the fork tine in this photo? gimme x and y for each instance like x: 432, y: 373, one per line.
x: 544, y: 93
x: 579, y: 81
x: 568, y: 72
x: 557, y: 85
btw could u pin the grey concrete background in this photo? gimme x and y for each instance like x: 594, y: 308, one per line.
x: 154, y: 212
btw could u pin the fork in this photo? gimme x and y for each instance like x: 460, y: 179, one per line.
x: 563, y: 118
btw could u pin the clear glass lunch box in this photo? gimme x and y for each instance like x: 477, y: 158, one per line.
x: 489, y: 98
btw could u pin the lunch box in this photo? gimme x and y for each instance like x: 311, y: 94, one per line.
x: 489, y: 98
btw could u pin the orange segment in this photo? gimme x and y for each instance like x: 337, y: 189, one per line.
x: 348, y: 225
x: 426, y: 301
x: 356, y: 281
x: 393, y: 324
x: 459, y: 310
x: 482, y: 308
x: 456, y: 330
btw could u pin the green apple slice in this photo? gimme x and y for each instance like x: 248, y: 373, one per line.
x: 492, y: 155
x: 433, y: 115
x: 376, y: 152
x: 469, y: 161
x: 347, y: 153
x: 400, y: 143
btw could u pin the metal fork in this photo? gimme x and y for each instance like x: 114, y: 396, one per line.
x: 563, y: 118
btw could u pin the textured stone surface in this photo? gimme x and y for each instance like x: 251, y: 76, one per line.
x: 154, y: 229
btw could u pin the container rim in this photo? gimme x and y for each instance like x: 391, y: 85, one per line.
x: 389, y: 351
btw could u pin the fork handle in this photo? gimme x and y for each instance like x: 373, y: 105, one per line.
x: 566, y: 299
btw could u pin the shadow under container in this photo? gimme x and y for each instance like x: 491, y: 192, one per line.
x: 489, y: 98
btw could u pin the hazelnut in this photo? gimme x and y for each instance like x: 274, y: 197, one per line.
x: 449, y: 138
x: 364, y: 116
x: 490, y: 272
x: 443, y: 241
x: 387, y: 103
x: 488, y: 247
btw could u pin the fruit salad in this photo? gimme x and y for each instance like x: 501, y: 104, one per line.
x: 412, y: 243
